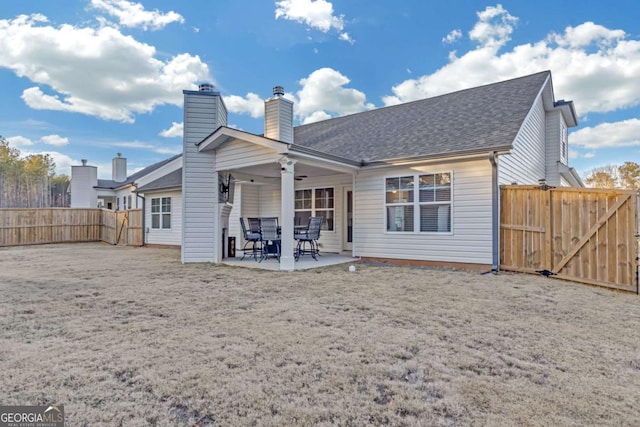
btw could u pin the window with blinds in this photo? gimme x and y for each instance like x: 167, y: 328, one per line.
x: 315, y: 202
x: 425, y: 207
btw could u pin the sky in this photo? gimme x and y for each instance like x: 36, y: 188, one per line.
x: 86, y: 79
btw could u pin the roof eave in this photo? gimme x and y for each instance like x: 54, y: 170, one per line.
x: 440, y: 156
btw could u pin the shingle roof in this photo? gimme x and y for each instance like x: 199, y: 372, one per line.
x: 110, y: 184
x: 476, y: 119
x: 171, y: 180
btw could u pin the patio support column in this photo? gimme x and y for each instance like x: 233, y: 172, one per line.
x: 287, y: 212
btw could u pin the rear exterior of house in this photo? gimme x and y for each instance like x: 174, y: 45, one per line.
x: 417, y: 182
x: 421, y: 194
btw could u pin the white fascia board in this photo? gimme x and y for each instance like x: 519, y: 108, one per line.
x: 323, y: 163
x: 225, y: 134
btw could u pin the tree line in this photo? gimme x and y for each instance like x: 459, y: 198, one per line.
x: 626, y: 176
x: 30, y: 181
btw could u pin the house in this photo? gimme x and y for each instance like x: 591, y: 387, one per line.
x: 122, y: 193
x: 416, y: 182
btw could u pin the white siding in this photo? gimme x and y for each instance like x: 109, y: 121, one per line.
x: 527, y: 160
x: 471, y: 237
x: 163, y: 236
x: 238, y: 154
x: 278, y: 119
x: 553, y: 146
x: 204, y: 112
x: 234, y: 217
x: 83, y: 179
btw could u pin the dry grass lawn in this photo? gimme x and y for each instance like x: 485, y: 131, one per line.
x: 129, y: 336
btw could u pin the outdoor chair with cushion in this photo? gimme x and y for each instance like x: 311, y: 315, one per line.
x: 309, y: 238
x: 270, y: 238
x: 251, y: 238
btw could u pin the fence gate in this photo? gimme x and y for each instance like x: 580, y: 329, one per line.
x: 579, y: 234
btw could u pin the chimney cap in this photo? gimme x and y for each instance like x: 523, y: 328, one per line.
x: 205, y: 87
x: 84, y: 162
x: 278, y: 91
x: 118, y: 154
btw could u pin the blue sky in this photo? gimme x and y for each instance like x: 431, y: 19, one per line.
x: 84, y: 79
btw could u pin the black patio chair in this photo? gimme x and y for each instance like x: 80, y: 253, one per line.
x: 309, y: 237
x: 250, y: 238
x: 270, y: 238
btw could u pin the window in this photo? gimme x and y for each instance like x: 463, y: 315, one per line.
x: 425, y: 207
x: 129, y: 202
x: 117, y: 203
x: 315, y: 202
x: 161, y: 213
x: 124, y: 203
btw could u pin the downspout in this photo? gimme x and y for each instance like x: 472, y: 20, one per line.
x: 144, y: 230
x: 495, y: 212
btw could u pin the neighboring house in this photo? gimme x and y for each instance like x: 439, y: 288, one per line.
x: 415, y: 182
x: 123, y: 192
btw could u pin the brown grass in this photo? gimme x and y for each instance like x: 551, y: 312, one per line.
x: 129, y: 336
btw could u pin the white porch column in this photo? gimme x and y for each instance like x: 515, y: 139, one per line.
x: 287, y: 212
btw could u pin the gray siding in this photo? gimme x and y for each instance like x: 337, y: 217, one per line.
x: 203, y: 113
x: 527, y: 160
x: 470, y: 240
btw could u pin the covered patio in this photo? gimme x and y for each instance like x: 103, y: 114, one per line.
x: 271, y: 178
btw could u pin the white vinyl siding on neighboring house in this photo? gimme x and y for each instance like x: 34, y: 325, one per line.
x: 470, y: 239
x: 164, y: 236
x: 526, y: 163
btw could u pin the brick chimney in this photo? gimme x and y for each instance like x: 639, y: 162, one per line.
x: 278, y: 117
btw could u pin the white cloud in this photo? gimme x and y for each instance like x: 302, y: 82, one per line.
x: 251, y: 104
x: 147, y: 146
x: 316, y: 116
x: 323, y: 95
x: 608, y: 135
x: 19, y: 141
x: 347, y: 38
x: 55, y: 140
x: 592, y: 65
x: 452, y: 37
x: 99, y: 72
x: 316, y: 14
x: 174, y: 131
x: 589, y: 155
x: 134, y: 15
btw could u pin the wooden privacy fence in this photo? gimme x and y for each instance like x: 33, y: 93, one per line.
x: 60, y: 225
x: 579, y: 234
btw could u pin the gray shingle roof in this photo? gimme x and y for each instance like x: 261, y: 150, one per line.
x: 477, y: 119
x: 110, y: 184
x: 171, y: 180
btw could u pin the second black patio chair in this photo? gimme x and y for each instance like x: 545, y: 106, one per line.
x: 309, y: 237
x: 270, y: 238
x: 251, y: 238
